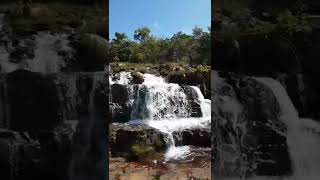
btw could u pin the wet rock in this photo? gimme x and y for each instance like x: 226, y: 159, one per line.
x: 119, y: 113
x: 192, y: 78
x: 137, y: 78
x: 193, y: 101
x: 119, y: 93
x: 33, y: 101
x: 119, y: 109
x: 122, y: 137
x: 21, y: 53
x: 200, y: 137
x: 247, y: 130
x: 177, y: 77
x: 19, y: 157
x: 56, y: 151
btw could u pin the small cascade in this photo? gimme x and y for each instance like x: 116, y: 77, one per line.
x: 258, y: 132
x: 166, y: 107
x: 90, y: 140
x: 43, y: 52
x: 122, y: 78
x: 303, y: 142
x: 47, y: 55
x: 72, y: 92
x: 226, y: 119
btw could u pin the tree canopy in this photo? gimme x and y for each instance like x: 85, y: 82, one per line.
x: 145, y: 48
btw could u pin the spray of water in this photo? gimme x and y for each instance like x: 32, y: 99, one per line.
x: 303, y: 138
x: 47, y: 54
x: 303, y: 143
x: 165, y: 106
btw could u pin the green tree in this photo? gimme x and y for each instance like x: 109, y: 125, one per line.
x: 193, y: 49
x: 142, y: 34
x: 121, y: 47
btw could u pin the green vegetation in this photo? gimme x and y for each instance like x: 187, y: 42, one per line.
x: 144, y: 153
x: 141, y: 152
x: 160, y: 69
x: 286, y: 23
x: 247, y: 18
x: 57, y: 16
x: 180, y: 48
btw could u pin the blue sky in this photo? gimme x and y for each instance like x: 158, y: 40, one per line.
x: 164, y: 17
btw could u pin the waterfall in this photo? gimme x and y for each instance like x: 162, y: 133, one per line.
x: 123, y: 78
x: 303, y: 142
x: 47, y: 53
x: 89, y: 146
x: 43, y: 52
x: 258, y: 134
x: 166, y: 107
x: 227, y: 110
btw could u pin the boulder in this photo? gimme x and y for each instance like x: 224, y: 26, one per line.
x: 194, y: 103
x: 33, y: 101
x: 137, y: 78
x: 124, y: 138
x: 200, y: 137
x: 92, y: 52
x: 119, y: 108
x: 177, y: 77
x: 119, y: 113
x: 248, y: 133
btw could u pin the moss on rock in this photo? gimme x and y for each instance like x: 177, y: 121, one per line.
x: 140, y: 152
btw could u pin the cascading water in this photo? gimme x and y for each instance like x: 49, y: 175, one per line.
x: 239, y: 130
x: 90, y: 137
x: 120, y: 78
x: 303, y: 142
x: 43, y: 52
x: 164, y: 106
x: 47, y: 57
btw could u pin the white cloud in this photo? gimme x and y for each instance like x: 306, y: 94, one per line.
x: 156, y: 25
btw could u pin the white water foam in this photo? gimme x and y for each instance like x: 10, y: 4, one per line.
x: 150, y: 79
x: 46, y: 54
x: 122, y: 78
x: 47, y: 59
x: 303, y: 142
x: 166, y: 109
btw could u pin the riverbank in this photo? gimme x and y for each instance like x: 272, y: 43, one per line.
x: 120, y: 169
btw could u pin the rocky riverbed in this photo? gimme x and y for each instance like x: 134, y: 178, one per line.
x: 120, y: 169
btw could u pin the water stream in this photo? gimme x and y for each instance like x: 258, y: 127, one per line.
x: 166, y: 107
x: 302, y: 134
x: 303, y: 142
